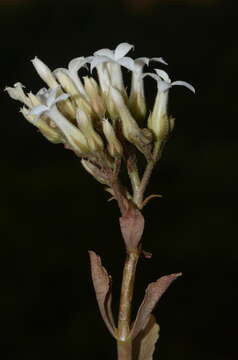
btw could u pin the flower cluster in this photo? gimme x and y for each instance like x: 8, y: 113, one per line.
x: 100, y: 120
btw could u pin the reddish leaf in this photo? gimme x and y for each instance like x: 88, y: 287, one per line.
x: 132, y: 227
x: 152, y: 295
x: 144, y: 343
x: 102, y: 286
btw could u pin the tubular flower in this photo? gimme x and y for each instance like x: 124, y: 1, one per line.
x: 113, y: 59
x: 137, y: 101
x: 98, y: 118
x: 158, y: 121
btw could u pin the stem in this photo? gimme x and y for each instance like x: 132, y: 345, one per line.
x: 126, y: 295
x: 138, y: 197
x: 124, y: 345
x: 124, y: 350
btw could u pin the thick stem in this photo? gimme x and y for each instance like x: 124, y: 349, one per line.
x: 126, y: 295
x: 124, y: 344
x: 124, y: 350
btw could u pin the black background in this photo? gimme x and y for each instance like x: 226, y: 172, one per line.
x: 52, y: 212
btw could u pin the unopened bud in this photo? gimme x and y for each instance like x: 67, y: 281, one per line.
x: 92, y: 90
x: 74, y: 138
x: 114, y: 146
x: 53, y: 135
x: 130, y: 128
x: 44, y: 72
x: 63, y: 77
x: 129, y: 125
x: 34, y: 99
x: 17, y: 93
x: 94, y: 171
x: 94, y: 140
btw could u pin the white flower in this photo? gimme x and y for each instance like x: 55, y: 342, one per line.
x: 48, y: 99
x: 74, y: 137
x: 113, y: 59
x: 137, y: 98
x: 72, y: 72
x: 159, y: 114
x: 164, y: 81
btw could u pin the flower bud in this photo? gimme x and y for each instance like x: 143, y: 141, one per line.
x: 44, y: 72
x: 17, y: 93
x: 53, y: 135
x: 68, y: 85
x: 114, y: 146
x: 94, y: 171
x: 74, y: 138
x: 94, y: 140
x: 130, y: 128
x: 92, y: 90
x: 129, y: 125
x: 34, y: 99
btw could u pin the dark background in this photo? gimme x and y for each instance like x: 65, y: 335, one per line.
x: 52, y: 212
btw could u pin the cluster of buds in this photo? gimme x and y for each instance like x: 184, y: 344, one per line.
x: 102, y: 122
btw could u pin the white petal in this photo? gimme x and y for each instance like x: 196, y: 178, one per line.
x: 163, y: 86
x: 97, y: 60
x: 62, y: 97
x: 142, y: 61
x: 127, y: 62
x: 42, y: 92
x: 184, y: 83
x: 105, y: 52
x: 122, y: 49
x: 163, y: 74
x: 159, y: 59
x: 154, y: 76
x: 38, y: 110
x: 77, y: 63
x: 51, y: 96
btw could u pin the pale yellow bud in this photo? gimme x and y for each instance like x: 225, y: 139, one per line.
x: 74, y: 138
x: 129, y: 125
x: 94, y: 140
x: 17, y: 93
x: 94, y: 171
x: 53, y: 135
x: 83, y: 105
x: 114, y: 146
x: 96, y: 100
x: 44, y: 72
x: 34, y: 99
x: 130, y: 128
x: 137, y: 105
x: 66, y: 82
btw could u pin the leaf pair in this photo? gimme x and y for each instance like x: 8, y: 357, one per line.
x: 144, y: 331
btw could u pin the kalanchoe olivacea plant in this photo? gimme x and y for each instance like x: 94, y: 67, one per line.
x: 107, y: 126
